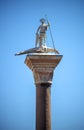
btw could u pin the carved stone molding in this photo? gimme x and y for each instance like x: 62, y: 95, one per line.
x: 42, y: 66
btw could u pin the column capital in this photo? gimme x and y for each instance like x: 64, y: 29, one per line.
x: 42, y: 66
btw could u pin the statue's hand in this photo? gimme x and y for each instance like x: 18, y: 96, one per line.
x: 36, y: 33
x: 48, y: 24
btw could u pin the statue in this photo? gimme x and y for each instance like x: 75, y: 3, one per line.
x: 41, y: 33
x: 41, y: 40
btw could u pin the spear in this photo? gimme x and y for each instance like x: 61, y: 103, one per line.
x: 50, y: 33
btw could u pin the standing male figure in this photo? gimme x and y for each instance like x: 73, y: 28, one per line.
x: 41, y: 33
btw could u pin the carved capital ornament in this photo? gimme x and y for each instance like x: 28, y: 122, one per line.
x: 42, y: 66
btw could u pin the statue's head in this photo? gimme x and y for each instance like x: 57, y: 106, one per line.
x: 42, y: 20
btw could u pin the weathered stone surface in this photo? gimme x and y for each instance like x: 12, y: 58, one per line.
x: 42, y: 66
x: 43, y: 114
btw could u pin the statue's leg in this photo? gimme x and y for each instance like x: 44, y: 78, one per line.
x: 44, y: 39
x: 40, y: 40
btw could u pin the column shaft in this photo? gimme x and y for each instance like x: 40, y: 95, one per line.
x: 43, y: 114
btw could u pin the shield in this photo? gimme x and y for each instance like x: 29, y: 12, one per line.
x: 37, y: 39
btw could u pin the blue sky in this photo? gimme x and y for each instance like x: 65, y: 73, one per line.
x: 19, y: 21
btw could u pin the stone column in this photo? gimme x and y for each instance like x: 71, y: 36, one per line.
x: 42, y: 66
x: 43, y: 114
